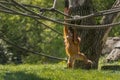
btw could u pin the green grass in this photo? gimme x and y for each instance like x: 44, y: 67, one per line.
x: 53, y: 72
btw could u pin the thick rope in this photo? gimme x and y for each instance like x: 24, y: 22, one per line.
x: 96, y: 14
x: 37, y: 53
x: 38, y: 16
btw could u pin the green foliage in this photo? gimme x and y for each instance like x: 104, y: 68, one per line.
x: 32, y: 59
x: 3, y: 56
x: 53, y: 72
x: 115, y: 31
x: 100, y: 5
x: 28, y: 33
x: 103, y: 4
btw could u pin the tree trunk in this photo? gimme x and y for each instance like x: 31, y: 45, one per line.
x: 91, y: 40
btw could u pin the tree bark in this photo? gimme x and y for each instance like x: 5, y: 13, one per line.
x: 92, y: 40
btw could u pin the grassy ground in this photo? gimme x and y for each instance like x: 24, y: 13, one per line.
x: 53, y: 72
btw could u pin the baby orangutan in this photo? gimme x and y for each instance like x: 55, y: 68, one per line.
x: 72, y: 48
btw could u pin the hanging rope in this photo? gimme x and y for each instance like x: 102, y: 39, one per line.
x: 37, y: 53
x: 29, y: 13
x: 38, y: 16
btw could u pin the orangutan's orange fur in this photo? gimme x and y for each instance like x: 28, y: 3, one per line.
x: 72, y: 48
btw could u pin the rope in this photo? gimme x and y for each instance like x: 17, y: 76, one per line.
x: 63, y: 23
x: 38, y: 16
x: 100, y: 13
x: 36, y: 20
x: 37, y: 53
x: 96, y: 14
x: 26, y: 5
x: 71, y: 25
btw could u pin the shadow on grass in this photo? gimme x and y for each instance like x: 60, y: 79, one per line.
x: 111, y: 67
x: 22, y: 76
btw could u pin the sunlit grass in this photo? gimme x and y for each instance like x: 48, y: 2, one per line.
x: 53, y: 72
